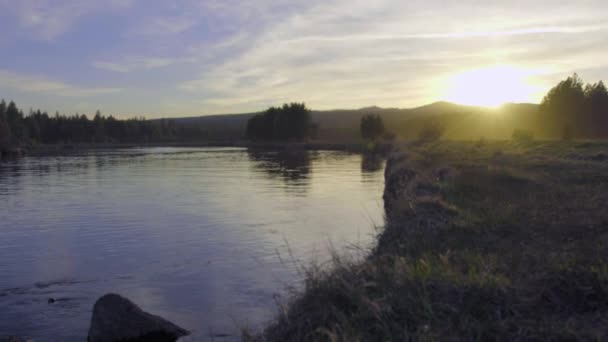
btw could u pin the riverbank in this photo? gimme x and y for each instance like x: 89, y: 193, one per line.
x: 483, y: 241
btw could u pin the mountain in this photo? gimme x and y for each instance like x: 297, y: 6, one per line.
x: 460, y: 121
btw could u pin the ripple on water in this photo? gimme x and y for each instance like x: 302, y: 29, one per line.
x: 204, y: 237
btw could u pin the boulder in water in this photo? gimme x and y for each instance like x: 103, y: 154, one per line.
x: 116, y: 318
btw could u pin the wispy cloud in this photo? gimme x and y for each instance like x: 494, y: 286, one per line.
x: 238, y: 55
x: 352, y: 53
x: 159, y: 26
x: 465, y: 34
x: 49, y: 19
x: 43, y: 85
x: 140, y: 63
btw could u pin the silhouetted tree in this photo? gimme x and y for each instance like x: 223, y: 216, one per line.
x: 371, y: 127
x: 289, y: 122
x: 14, y: 117
x: 39, y: 127
x: 5, y: 130
x: 596, y: 97
x: 563, y: 108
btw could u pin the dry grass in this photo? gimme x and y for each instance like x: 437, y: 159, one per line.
x: 490, y: 241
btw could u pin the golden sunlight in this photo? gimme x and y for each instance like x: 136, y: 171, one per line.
x: 493, y: 86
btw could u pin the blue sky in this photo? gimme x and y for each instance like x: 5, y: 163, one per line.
x: 186, y: 57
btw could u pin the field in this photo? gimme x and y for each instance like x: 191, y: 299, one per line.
x: 482, y: 241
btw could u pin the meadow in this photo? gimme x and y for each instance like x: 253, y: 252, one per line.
x: 483, y: 241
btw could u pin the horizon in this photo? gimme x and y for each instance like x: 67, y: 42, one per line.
x: 370, y: 107
x: 200, y: 58
x: 312, y: 110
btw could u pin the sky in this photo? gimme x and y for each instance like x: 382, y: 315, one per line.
x: 158, y: 58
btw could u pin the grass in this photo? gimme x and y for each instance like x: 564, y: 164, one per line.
x: 483, y: 241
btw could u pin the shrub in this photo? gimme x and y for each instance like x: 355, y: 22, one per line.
x: 522, y: 136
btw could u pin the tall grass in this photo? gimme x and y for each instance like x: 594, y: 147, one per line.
x: 477, y: 246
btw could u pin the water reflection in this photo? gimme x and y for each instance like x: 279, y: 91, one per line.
x: 371, y: 162
x: 292, y: 167
x: 203, y: 237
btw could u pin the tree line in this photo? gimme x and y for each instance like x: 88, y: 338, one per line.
x: 572, y: 109
x: 569, y: 110
x: 37, y: 127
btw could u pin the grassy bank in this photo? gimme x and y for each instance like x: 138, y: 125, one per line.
x: 483, y: 241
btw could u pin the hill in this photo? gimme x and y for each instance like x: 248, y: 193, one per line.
x: 461, y: 122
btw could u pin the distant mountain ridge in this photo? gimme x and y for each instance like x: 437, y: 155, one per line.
x: 462, y: 121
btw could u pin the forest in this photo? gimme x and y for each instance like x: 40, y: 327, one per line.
x: 37, y: 127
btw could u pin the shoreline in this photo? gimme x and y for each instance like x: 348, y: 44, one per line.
x: 444, y: 266
x: 55, y: 149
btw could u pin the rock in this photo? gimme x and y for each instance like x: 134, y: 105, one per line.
x: 116, y: 318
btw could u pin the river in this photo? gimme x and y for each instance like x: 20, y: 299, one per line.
x: 208, y: 238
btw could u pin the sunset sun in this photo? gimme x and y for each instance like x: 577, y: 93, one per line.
x: 492, y: 86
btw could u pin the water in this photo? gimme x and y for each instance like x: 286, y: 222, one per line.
x: 205, y: 237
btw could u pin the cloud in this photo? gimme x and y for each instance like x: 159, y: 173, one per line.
x: 157, y: 26
x: 233, y: 55
x: 109, y: 66
x: 48, y: 19
x: 140, y: 63
x: 42, y: 85
x: 463, y: 34
x: 352, y: 53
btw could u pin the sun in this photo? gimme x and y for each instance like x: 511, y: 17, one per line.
x: 493, y: 86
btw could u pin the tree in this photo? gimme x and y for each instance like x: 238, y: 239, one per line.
x: 3, y: 109
x: 371, y: 127
x: 33, y: 126
x: 14, y: 118
x: 99, y: 127
x: 596, y: 97
x: 289, y: 122
x: 563, y: 108
x: 5, y: 130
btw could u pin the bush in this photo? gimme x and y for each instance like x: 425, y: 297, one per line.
x: 522, y: 136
